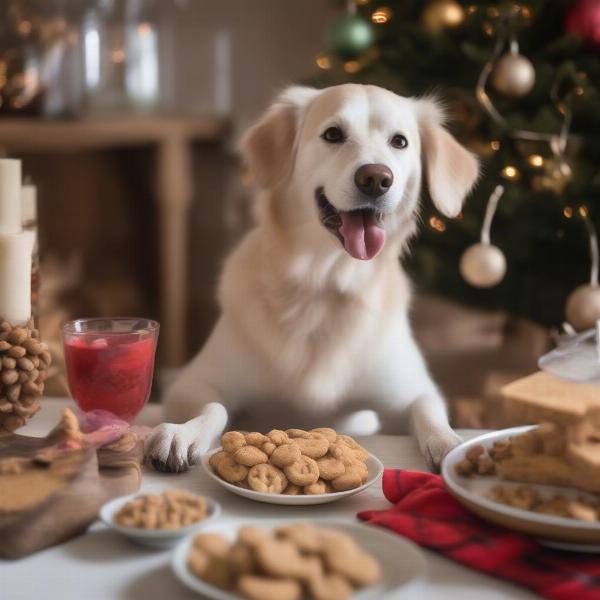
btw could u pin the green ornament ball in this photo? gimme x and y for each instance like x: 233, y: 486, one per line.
x: 349, y: 36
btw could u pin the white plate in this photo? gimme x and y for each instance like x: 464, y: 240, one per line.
x: 472, y: 492
x: 154, y: 538
x: 373, y: 464
x: 402, y: 563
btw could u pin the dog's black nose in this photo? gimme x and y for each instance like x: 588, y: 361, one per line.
x: 373, y: 180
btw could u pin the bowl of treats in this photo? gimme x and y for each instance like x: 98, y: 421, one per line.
x: 159, y: 519
x: 280, y: 559
x: 544, y: 479
x: 292, y: 467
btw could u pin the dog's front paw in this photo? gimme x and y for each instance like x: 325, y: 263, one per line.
x: 437, y: 445
x: 167, y: 447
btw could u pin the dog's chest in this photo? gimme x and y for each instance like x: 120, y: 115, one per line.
x: 318, y: 342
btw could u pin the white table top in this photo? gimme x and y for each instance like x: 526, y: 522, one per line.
x: 101, y: 565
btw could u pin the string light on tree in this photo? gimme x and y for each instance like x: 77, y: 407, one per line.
x: 382, y: 15
x: 483, y: 265
x: 582, y: 309
x: 442, y: 14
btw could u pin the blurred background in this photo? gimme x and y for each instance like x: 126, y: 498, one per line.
x: 126, y: 113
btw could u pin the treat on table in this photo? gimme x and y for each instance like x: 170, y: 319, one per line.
x: 170, y: 510
x: 291, y: 462
x: 291, y: 562
x: 563, y: 450
x: 528, y: 498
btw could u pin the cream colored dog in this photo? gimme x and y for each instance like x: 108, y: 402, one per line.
x: 314, y: 302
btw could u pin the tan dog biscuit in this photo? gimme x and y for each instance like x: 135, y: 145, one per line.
x: 329, y: 587
x: 327, y: 432
x: 212, y: 543
x: 343, y: 556
x: 267, y: 479
x: 330, y: 467
x: 250, y: 456
x: 268, y: 448
x: 351, y: 479
x: 360, y: 452
x: 313, y: 447
x: 232, y: 440
x: 252, y: 535
x: 215, y: 570
x: 214, y: 459
x: 256, y: 587
x: 255, y: 438
x: 241, y: 558
x: 304, y: 535
x: 278, y: 437
x: 230, y: 470
x: 319, y: 487
x: 286, y: 455
x: 281, y: 558
x: 303, y: 472
x: 292, y: 490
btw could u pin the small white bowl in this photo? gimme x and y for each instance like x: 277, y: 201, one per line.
x: 403, y: 566
x: 154, y: 538
x: 374, y: 465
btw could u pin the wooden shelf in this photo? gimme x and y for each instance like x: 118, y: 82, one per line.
x: 39, y: 135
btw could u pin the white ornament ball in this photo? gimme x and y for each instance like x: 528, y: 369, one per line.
x: 483, y: 265
x: 513, y: 76
x: 583, y: 307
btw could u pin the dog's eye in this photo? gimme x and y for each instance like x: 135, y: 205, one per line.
x: 399, y: 141
x: 333, y: 135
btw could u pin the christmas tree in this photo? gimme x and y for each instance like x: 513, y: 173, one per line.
x: 519, y: 81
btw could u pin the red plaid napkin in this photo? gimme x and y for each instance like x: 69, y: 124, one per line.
x: 427, y: 514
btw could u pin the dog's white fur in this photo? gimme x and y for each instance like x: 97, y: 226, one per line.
x: 303, y: 323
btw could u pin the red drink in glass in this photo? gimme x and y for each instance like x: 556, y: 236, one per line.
x: 110, y: 363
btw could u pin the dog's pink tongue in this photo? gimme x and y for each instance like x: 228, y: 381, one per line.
x: 363, y: 237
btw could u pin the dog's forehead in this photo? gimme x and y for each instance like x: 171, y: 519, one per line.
x: 361, y: 105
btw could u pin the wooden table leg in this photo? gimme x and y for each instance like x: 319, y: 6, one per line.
x: 174, y: 201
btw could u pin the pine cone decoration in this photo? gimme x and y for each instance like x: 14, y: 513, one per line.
x: 24, y: 362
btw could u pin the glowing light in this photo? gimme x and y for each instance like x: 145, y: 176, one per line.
x: 382, y: 15
x: 323, y: 61
x: 118, y: 56
x: 352, y: 66
x: 495, y: 145
x: 583, y: 211
x: 25, y: 27
x: 437, y: 224
x: 471, y: 9
x: 578, y: 91
x: 567, y: 212
x: 510, y: 172
x: 493, y: 12
x: 526, y: 12
x: 488, y: 29
x: 535, y: 160
x: 144, y: 28
x: 362, y: 2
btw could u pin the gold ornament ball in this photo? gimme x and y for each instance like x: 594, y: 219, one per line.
x: 583, y: 307
x: 483, y: 265
x: 440, y: 14
x: 513, y: 76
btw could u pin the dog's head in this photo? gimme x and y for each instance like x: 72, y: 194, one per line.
x: 353, y: 157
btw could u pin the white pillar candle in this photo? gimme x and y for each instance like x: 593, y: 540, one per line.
x: 15, y: 276
x: 10, y: 195
x: 28, y: 204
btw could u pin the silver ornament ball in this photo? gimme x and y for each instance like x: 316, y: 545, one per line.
x: 513, y: 76
x: 483, y: 265
x: 583, y: 307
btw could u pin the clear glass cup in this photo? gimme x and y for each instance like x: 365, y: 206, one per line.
x: 110, y: 363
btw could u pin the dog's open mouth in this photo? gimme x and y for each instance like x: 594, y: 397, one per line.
x: 360, y: 231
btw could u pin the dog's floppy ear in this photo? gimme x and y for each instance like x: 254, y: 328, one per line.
x: 268, y: 146
x: 451, y: 169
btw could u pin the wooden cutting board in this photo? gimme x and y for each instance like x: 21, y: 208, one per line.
x: 44, y: 502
